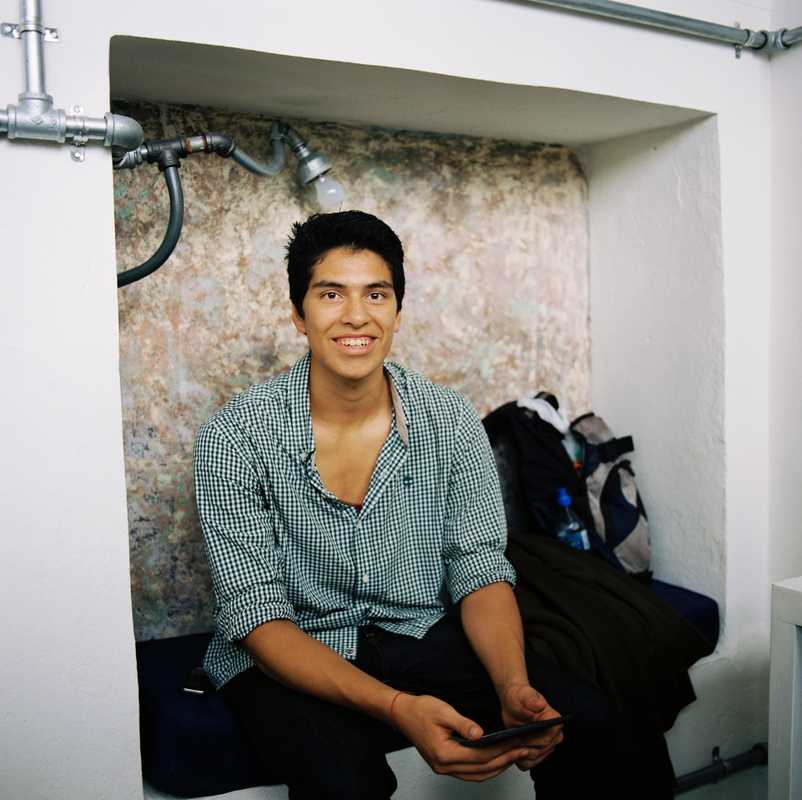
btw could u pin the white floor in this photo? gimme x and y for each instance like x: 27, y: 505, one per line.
x: 417, y: 782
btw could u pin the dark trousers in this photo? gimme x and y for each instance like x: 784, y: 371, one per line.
x: 326, y: 751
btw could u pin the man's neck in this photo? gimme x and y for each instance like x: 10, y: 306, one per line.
x: 336, y: 401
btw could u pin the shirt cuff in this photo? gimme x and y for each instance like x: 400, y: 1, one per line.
x: 475, y: 570
x: 236, y: 623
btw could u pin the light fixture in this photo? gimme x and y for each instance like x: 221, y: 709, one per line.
x: 313, y: 168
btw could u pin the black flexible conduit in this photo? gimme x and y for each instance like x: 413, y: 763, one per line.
x: 167, y: 153
x: 171, y: 236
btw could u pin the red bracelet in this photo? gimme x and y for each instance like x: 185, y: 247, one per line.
x: 392, y: 703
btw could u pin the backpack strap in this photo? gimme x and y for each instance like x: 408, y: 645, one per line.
x: 615, y: 448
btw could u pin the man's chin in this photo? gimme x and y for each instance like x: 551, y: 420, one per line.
x: 355, y: 368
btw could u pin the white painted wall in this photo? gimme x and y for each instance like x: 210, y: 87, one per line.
x: 657, y: 334
x: 786, y: 297
x: 658, y: 372
x: 68, y: 694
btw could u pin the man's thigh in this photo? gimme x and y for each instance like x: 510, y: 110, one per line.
x: 445, y: 665
x: 319, y: 749
x: 442, y: 664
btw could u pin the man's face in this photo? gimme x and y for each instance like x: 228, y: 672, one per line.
x: 349, y: 313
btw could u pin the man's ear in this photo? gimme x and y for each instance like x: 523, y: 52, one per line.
x: 397, y: 323
x: 297, y: 320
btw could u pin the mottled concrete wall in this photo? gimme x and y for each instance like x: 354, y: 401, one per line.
x: 497, y: 300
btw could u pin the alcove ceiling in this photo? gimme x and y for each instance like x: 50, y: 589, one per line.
x: 287, y: 86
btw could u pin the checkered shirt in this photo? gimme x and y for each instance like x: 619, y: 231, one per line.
x: 431, y: 529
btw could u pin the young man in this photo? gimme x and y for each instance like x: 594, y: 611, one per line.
x: 353, y: 522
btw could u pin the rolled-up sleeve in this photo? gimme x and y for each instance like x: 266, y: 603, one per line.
x: 475, y: 533
x: 246, y: 562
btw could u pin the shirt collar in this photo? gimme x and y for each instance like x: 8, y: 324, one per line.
x: 299, y: 437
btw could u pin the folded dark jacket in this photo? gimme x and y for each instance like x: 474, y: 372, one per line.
x: 605, y: 627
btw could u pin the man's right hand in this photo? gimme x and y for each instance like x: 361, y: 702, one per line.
x: 429, y: 724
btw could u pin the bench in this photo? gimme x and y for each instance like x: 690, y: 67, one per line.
x: 191, y: 746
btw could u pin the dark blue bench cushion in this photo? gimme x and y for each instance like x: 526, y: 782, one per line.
x: 191, y: 746
x: 698, y: 609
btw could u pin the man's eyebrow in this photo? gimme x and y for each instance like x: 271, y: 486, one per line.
x: 335, y: 285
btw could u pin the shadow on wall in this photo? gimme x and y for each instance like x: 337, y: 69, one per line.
x: 496, y: 244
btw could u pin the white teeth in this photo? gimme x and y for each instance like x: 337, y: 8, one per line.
x: 363, y: 342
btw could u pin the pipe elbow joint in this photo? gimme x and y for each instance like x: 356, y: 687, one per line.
x: 123, y: 133
x: 222, y: 144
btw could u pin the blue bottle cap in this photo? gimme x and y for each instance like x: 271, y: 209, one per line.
x: 563, y: 498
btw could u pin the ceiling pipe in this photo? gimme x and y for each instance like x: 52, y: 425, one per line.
x: 794, y: 36
x: 638, y: 15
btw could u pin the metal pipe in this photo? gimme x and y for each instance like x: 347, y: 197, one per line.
x: 659, y: 19
x: 722, y: 768
x: 792, y: 36
x: 277, y: 158
x: 35, y: 118
x: 76, y: 126
x: 171, y: 236
x: 33, y: 33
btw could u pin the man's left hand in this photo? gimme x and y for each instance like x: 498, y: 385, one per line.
x: 520, y: 704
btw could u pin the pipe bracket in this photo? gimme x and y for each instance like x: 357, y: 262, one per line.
x: 12, y: 30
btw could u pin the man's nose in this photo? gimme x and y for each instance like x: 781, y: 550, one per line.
x: 355, y: 312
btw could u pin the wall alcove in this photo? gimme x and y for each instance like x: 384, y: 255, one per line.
x: 653, y: 306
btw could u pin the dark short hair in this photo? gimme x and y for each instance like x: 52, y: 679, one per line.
x: 310, y: 241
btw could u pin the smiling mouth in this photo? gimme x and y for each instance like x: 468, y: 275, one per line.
x: 355, y: 344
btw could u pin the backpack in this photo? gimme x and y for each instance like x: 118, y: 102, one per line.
x: 534, y: 463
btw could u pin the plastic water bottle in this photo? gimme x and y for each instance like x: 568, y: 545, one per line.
x: 570, y: 530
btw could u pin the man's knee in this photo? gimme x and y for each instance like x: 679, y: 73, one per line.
x: 334, y: 776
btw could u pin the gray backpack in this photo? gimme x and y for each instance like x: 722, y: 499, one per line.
x: 615, y: 504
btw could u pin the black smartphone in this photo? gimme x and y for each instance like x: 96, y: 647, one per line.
x: 511, y: 733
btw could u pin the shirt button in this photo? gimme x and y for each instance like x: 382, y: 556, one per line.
x: 349, y: 651
x: 365, y: 578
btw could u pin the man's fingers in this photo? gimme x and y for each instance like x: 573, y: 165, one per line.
x: 477, y: 777
x: 459, y: 754
x: 530, y: 761
x: 548, y: 738
x: 534, y: 756
x: 494, y: 765
x: 534, y: 701
x: 462, y: 725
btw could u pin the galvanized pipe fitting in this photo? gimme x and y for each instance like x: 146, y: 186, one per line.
x: 35, y: 118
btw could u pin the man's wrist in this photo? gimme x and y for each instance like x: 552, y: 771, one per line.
x: 510, y: 683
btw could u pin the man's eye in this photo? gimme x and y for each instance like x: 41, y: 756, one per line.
x: 377, y: 295
x: 330, y: 295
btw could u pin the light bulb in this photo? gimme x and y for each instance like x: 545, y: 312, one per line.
x: 330, y: 193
